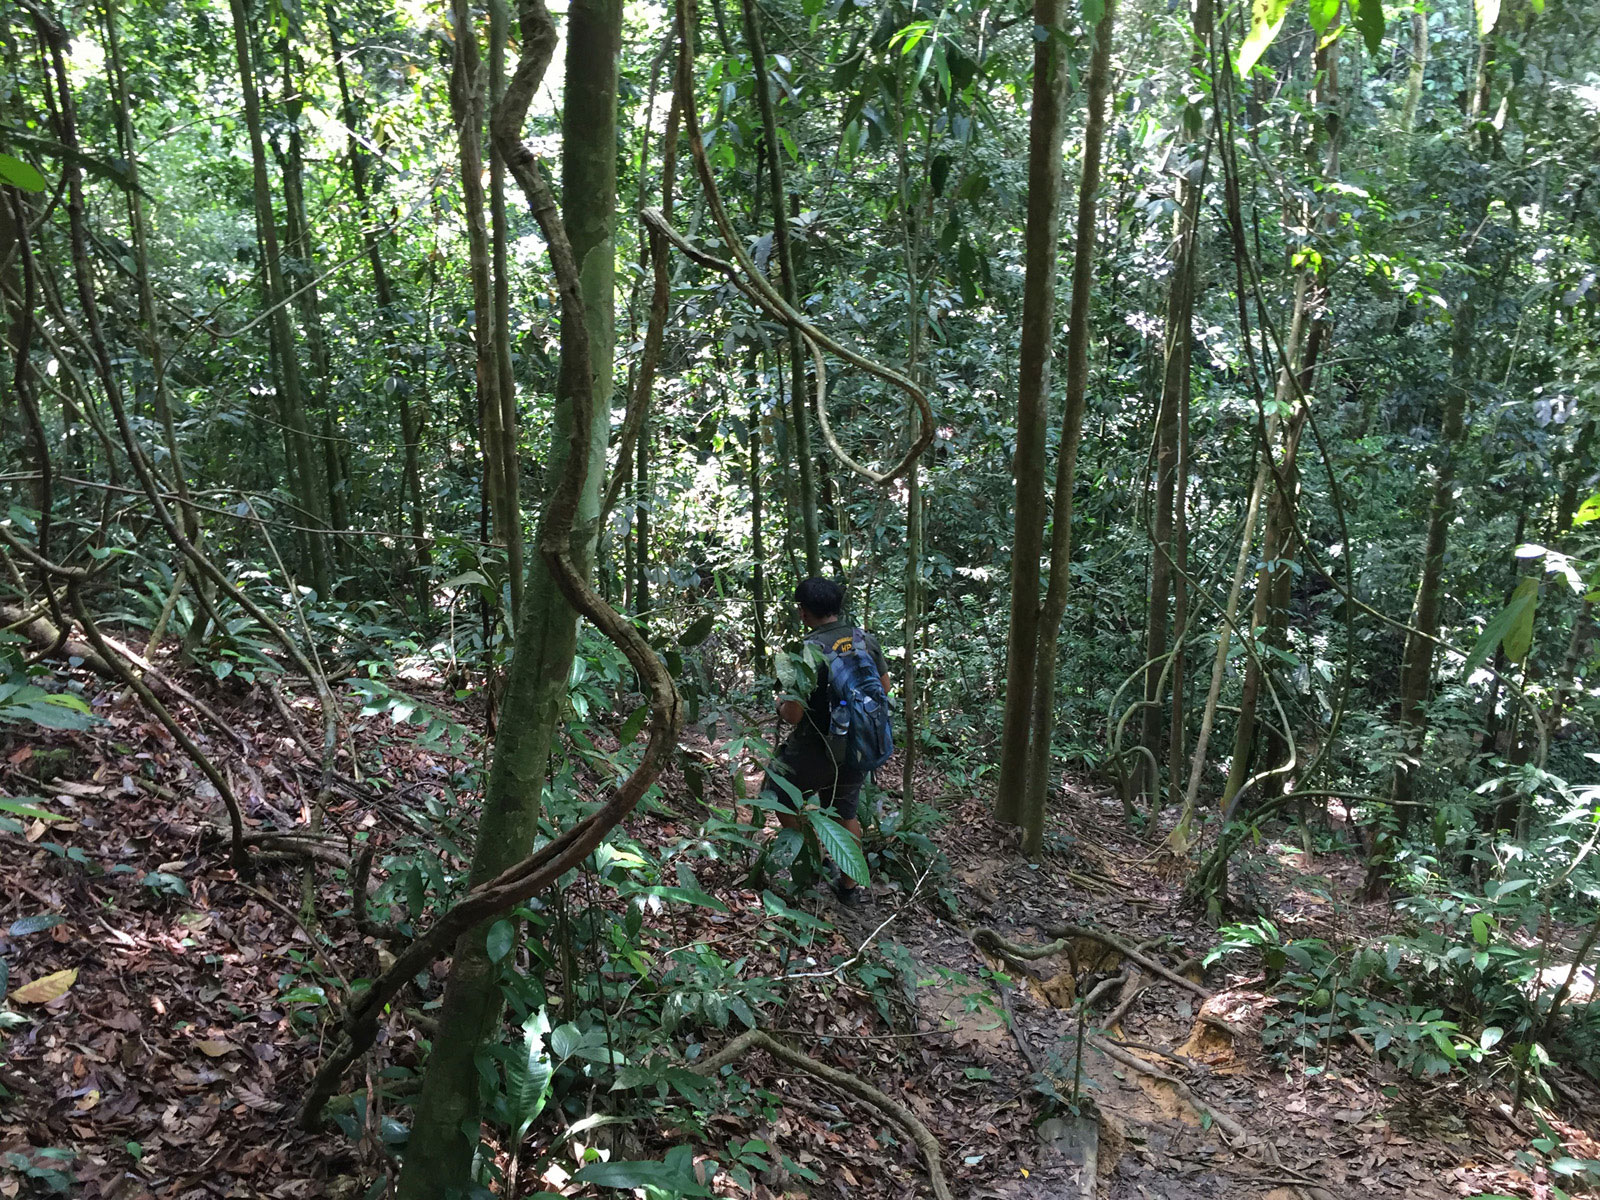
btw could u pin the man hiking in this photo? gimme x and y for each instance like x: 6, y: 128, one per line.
x: 841, y: 732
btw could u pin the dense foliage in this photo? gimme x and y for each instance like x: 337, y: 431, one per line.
x: 273, y: 303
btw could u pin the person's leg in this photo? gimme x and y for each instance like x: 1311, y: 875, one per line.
x: 846, y: 801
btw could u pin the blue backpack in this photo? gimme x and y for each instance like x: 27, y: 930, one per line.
x: 859, y: 734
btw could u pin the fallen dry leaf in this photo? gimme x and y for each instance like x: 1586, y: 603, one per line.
x: 214, y: 1048
x: 46, y: 988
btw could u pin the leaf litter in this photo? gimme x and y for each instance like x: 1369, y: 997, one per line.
x: 165, y: 1026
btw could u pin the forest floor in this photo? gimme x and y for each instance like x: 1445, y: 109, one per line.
x: 171, y: 1062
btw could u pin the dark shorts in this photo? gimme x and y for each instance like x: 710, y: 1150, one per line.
x: 814, y: 775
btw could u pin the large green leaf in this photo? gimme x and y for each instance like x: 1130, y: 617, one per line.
x: 676, y: 1177
x: 698, y: 632
x: 1370, y: 20
x: 1266, y: 18
x: 19, y: 174
x: 1519, y: 637
x: 1323, y: 14
x: 528, y: 1074
x: 840, y: 844
x: 1507, y: 627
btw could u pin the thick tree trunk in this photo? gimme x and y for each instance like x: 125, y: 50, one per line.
x: 1417, y: 73
x: 442, y: 1140
x: 1033, y: 394
x: 1077, y: 388
x: 799, y: 414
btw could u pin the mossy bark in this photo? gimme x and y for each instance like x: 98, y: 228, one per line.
x: 448, y: 1111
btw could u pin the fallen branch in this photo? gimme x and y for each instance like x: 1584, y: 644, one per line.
x: 1235, y: 1131
x: 1132, y: 955
x: 987, y: 939
x: 241, y: 858
x: 42, y: 634
x: 756, y: 1039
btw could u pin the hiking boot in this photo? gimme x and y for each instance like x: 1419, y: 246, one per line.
x: 851, y: 897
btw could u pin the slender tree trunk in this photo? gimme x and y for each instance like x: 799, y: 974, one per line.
x: 1045, y: 135
x: 758, y: 554
x: 1077, y: 388
x: 411, y: 423
x: 505, y: 379
x: 447, y: 1116
x: 301, y: 280
x: 799, y: 415
x: 466, y: 107
x: 292, y: 412
x: 1418, y: 72
x: 1171, y: 416
x: 1416, y: 662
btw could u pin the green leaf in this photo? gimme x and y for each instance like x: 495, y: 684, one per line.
x: 502, y: 936
x: 565, y: 1041
x: 529, y: 1073
x: 698, y: 632
x: 1093, y: 10
x: 635, y: 722
x: 1370, y: 20
x: 37, y: 923
x: 19, y: 174
x: 1490, y: 1037
x: 674, y: 1180
x: 1266, y: 19
x: 1488, y: 15
x: 1499, y: 629
x: 1519, y: 638
x: 28, y: 810
x: 1323, y: 13
x: 841, y: 845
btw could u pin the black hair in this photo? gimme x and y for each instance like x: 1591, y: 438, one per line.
x: 820, y: 597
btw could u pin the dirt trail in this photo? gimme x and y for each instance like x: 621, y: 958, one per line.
x: 172, y: 1063
x: 1358, y: 1128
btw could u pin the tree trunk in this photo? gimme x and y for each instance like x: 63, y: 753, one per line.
x: 505, y: 379
x: 798, y: 408
x: 1419, y: 71
x: 292, y: 413
x: 466, y: 109
x: 447, y: 1116
x: 410, y: 423
x: 301, y: 280
x: 1055, y: 600
x: 1045, y: 135
x: 1416, y: 662
x: 1307, y: 333
x: 1172, y: 415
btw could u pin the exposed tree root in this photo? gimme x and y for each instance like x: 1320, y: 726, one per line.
x: 1235, y: 1131
x: 1132, y: 954
x: 756, y: 1039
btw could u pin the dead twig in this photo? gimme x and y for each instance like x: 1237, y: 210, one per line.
x: 756, y: 1039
